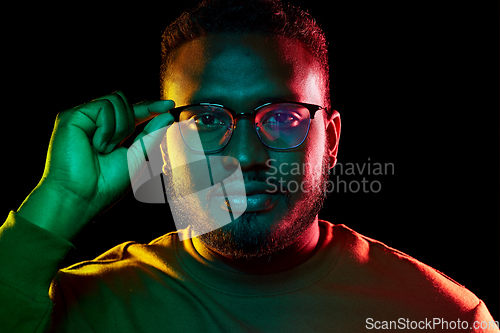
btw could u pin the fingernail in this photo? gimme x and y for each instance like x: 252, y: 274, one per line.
x: 110, y: 148
x: 161, y: 106
x: 104, y: 146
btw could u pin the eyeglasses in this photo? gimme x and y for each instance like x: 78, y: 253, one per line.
x: 207, y: 127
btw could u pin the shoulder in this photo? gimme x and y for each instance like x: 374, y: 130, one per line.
x: 125, y: 258
x: 392, y: 275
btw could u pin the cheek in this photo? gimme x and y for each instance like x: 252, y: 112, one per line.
x: 175, y: 151
x: 190, y: 172
x: 301, y: 169
x: 315, y: 148
x: 177, y: 160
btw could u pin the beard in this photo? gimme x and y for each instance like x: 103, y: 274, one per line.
x: 249, y: 237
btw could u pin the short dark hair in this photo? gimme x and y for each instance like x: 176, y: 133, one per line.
x: 271, y: 17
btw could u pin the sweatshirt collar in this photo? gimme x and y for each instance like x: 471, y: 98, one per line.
x: 238, y: 283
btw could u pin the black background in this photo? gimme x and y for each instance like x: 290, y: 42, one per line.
x: 416, y: 85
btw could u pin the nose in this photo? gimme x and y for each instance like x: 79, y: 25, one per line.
x: 246, y: 147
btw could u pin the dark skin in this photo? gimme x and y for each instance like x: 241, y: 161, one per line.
x: 243, y: 72
x: 86, y: 170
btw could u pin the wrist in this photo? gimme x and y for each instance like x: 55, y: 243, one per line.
x: 56, y: 210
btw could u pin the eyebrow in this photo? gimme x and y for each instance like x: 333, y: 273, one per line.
x: 259, y: 102
x: 277, y: 100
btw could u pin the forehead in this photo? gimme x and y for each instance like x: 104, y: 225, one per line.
x: 237, y: 70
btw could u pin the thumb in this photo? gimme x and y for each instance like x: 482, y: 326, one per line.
x: 145, y: 144
x: 146, y: 110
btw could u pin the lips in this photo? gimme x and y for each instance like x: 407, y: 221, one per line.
x: 237, y: 188
x: 242, y: 197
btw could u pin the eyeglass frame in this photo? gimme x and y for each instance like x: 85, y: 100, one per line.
x: 312, y: 108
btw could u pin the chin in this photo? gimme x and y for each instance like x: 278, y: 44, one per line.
x: 250, y: 237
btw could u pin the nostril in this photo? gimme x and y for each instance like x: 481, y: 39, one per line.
x: 230, y: 163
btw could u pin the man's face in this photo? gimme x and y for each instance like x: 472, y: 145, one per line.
x: 243, y: 72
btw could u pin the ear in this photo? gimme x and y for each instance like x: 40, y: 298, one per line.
x: 333, y: 136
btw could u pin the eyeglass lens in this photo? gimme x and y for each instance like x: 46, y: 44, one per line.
x: 209, y: 128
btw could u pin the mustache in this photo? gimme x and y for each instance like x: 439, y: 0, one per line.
x: 215, y: 180
x: 250, y: 177
x: 256, y: 176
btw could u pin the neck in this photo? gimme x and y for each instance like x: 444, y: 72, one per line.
x: 295, y: 254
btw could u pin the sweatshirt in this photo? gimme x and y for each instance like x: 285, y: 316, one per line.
x: 351, y: 284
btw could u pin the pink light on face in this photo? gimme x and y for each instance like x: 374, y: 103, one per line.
x: 243, y: 72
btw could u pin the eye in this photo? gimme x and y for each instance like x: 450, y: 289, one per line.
x: 281, y: 118
x: 206, y: 119
x: 208, y: 122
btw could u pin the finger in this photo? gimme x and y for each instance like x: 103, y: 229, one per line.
x: 148, y: 109
x: 130, y: 109
x: 155, y: 129
x: 124, y: 119
x: 147, y: 142
x: 96, y: 119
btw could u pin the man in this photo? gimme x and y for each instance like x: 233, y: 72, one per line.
x: 250, y: 78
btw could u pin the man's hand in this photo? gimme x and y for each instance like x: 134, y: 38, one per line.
x: 86, y: 169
